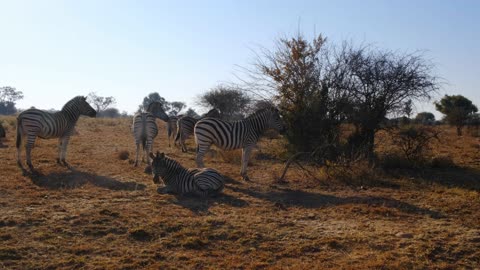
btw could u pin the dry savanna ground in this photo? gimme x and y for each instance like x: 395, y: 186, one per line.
x: 106, y: 214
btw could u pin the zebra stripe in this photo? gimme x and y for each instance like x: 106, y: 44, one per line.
x: 145, y: 129
x: 182, y: 181
x: 33, y: 123
x: 186, y: 124
x: 234, y: 135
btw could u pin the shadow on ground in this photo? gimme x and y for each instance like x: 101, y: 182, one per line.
x: 299, y: 198
x: 74, y: 179
x: 202, y: 205
x: 466, y: 178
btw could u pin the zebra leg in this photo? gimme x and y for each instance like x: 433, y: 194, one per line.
x: 19, y: 155
x: 136, y: 154
x: 245, y: 157
x: 63, y: 156
x: 182, y: 142
x: 147, y: 151
x: 59, y: 151
x: 30, y: 142
x: 201, y: 151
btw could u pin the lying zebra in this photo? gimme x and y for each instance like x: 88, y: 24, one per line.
x: 233, y: 135
x: 33, y: 123
x: 185, y: 125
x: 179, y: 180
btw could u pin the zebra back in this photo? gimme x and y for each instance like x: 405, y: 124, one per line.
x: 50, y: 125
x: 144, y: 127
x: 237, y: 134
x: 177, y: 178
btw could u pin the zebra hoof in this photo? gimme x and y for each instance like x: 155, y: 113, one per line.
x: 246, y: 178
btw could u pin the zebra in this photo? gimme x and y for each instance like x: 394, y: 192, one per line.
x: 186, y: 124
x: 179, y: 180
x: 172, y: 130
x: 234, y: 135
x: 145, y: 129
x: 33, y: 123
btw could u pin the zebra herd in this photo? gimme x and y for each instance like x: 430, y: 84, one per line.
x: 208, y: 130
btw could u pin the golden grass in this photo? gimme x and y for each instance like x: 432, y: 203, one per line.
x: 106, y: 213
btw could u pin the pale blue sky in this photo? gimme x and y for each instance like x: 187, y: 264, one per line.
x: 54, y: 50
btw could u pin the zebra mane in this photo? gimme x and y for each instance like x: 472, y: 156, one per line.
x: 260, y: 112
x: 73, y: 100
x: 156, y: 109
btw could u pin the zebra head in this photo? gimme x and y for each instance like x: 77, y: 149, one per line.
x: 84, y: 108
x: 159, y: 166
x: 214, y: 113
x: 156, y: 109
x: 275, y: 121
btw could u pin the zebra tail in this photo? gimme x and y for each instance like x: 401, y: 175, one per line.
x: 144, y: 143
x: 19, y: 133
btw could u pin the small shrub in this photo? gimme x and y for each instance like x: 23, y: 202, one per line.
x: 123, y: 155
x: 414, y: 141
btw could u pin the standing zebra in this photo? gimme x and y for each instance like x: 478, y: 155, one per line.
x: 172, y: 130
x: 179, y: 180
x: 186, y: 124
x: 34, y: 123
x: 233, y: 135
x: 145, y: 129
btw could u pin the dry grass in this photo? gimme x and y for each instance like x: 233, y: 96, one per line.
x: 106, y: 214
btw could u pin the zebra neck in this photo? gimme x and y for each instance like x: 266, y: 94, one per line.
x: 257, y: 124
x: 174, y: 169
x: 71, y: 114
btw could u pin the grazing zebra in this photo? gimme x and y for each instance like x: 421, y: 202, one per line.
x: 145, y: 129
x: 186, y: 124
x: 179, y: 180
x: 34, y: 123
x: 233, y: 135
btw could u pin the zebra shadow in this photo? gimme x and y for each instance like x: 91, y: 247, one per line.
x: 284, y: 198
x: 200, y: 205
x: 75, y: 179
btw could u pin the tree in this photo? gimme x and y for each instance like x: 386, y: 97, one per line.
x: 425, y: 118
x: 380, y: 83
x: 300, y: 77
x: 457, y: 110
x: 109, y: 112
x: 8, y: 97
x: 190, y: 112
x: 231, y: 102
x: 175, y: 107
x: 151, y: 98
x: 100, y: 103
x: 407, y: 109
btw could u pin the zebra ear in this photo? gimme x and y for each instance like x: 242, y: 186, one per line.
x: 152, y: 155
x: 162, y: 155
